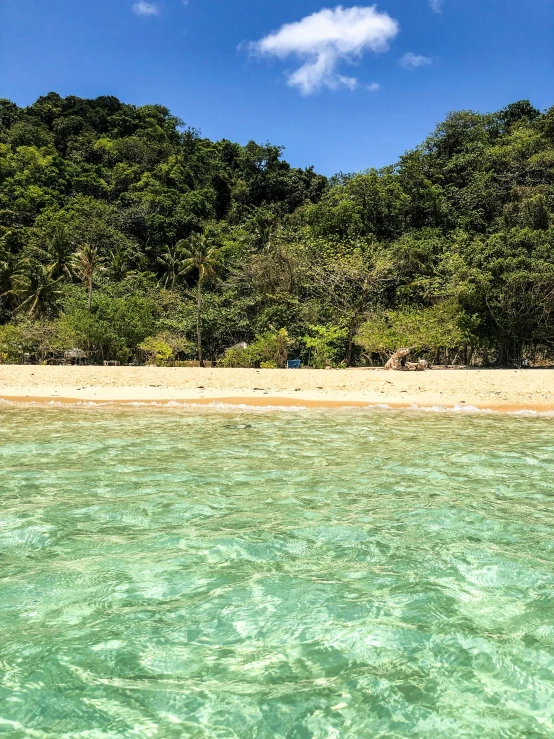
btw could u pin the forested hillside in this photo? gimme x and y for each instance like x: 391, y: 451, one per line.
x: 126, y: 234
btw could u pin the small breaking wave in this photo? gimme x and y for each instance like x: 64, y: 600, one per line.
x: 229, y: 405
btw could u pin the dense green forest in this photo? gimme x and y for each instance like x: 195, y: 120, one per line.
x: 126, y: 234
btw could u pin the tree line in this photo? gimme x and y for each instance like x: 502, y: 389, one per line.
x: 128, y: 235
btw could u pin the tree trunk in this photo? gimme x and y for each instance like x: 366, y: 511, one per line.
x: 519, y: 349
x: 348, y: 359
x: 90, y: 296
x: 198, y: 326
x: 350, y: 339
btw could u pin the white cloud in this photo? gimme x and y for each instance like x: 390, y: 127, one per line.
x: 374, y: 87
x: 144, y: 8
x: 326, y: 38
x: 413, y: 61
x: 436, y: 5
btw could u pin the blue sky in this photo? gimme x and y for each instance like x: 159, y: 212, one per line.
x: 344, y: 89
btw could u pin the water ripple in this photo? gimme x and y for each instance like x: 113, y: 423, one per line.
x: 169, y: 573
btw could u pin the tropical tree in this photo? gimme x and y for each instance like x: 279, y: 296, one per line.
x: 325, y: 343
x: 271, y: 348
x: 85, y: 265
x: 350, y: 283
x: 434, y: 329
x: 172, y: 265
x: 60, y: 253
x: 35, y: 287
x: 118, y: 263
x: 450, y: 250
x: 6, y: 271
x: 201, y: 254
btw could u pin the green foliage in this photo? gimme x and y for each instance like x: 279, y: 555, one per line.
x: 271, y: 348
x: 35, y: 338
x: 425, y: 329
x: 237, y: 356
x: 325, y: 344
x: 156, y: 349
x: 164, y: 347
x: 114, y: 326
x: 118, y: 225
x: 35, y: 288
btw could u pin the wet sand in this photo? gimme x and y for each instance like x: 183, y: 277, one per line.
x: 500, y: 390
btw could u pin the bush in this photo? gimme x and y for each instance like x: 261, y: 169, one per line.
x: 162, y: 348
x: 271, y: 347
x: 237, y: 356
x: 36, y: 338
x: 325, y: 343
x: 269, y: 350
x: 156, y: 350
x: 425, y: 329
x: 114, y: 327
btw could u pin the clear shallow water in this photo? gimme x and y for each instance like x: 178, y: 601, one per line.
x: 165, y: 573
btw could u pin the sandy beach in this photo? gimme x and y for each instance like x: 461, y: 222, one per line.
x: 500, y: 390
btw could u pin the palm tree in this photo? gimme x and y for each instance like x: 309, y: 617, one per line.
x: 118, y: 263
x: 201, y: 254
x: 60, y: 253
x: 85, y: 264
x: 265, y: 225
x: 6, y: 268
x: 35, y: 287
x: 172, y: 265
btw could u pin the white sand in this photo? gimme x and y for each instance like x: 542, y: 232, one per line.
x: 503, y: 390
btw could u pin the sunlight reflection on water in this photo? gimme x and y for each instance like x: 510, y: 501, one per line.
x: 172, y: 573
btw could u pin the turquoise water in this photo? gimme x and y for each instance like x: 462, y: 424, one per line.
x: 168, y: 573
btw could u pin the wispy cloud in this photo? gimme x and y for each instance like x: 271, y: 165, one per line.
x: 413, y: 61
x: 436, y: 5
x: 144, y: 8
x: 326, y: 38
x: 374, y: 87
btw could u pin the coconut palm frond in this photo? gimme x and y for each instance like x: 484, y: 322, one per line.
x: 35, y: 287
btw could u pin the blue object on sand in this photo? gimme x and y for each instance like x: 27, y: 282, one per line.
x: 293, y: 364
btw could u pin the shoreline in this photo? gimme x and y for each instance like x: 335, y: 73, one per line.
x: 239, y: 403
x: 501, y: 391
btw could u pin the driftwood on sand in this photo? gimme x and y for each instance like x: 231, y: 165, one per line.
x: 399, y: 361
x: 420, y: 366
